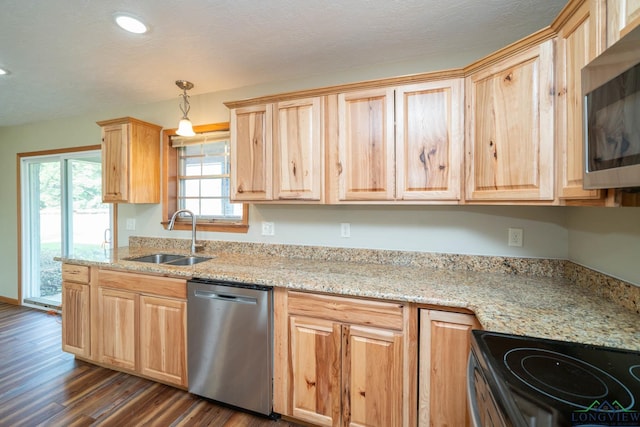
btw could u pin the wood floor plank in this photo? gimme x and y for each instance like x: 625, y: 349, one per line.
x: 37, y: 396
x: 104, y: 400
x: 204, y: 414
x: 42, y: 371
x: 174, y: 409
x: 42, y: 386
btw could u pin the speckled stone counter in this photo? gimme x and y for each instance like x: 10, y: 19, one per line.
x: 519, y: 296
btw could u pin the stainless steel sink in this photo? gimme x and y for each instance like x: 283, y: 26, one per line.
x: 156, y: 258
x: 170, y: 259
x: 190, y: 260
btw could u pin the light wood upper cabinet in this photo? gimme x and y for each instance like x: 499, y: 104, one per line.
x: 516, y: 117
x: 277, y: 151
x: 344, y: 361
x: 429, y: 140
x: 163, y: 326
x: 251, y: 153
x: 298, y: 149
x: 76, y: 310
x: 577, y: 45
x: 510, y: 128
x: 130, y: 161
x: 445, y: 343
x: 622, y: 17
x: 366, y: 163
x: 401, y: 143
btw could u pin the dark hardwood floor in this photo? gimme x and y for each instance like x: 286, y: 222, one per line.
x: 42, y: 386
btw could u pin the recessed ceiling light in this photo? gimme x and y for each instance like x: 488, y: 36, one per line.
x: 3, y: 72
x: 130, y: 23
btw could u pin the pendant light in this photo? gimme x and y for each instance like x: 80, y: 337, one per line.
x: 185, y: 128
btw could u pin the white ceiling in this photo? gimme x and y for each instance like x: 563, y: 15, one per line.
x: 67, y: 57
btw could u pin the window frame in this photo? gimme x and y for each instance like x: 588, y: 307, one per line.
x: 170, y: 188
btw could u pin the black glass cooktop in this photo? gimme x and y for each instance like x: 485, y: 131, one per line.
x: 573, y: 384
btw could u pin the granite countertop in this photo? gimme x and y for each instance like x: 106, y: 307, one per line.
x: 546, y: 307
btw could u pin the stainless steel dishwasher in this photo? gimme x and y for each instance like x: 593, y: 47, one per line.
x: 230, y: 343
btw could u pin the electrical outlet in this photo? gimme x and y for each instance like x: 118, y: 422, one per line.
x: 268, y: 229
x: 131, y: 223
x: 516, y: 236
x: 345, y: 229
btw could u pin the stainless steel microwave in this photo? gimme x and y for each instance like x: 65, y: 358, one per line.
x: 611, y: 90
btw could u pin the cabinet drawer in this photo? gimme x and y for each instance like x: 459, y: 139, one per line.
x: 75, y: 273
x: 387, y: 315
x: 143, y: 283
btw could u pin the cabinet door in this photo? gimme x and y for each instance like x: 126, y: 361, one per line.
x: 575, y: 48
x: 445, y: 343
x: 429, y: 140
x: 115, y: 163
x: 298, y: 149
x: 372, y: 377
x: 315, y: 370
x: 622, y: 17
x: 251, y: 151
x: 163, y: 339
x: 366, y: 164
x: 117, y: 328
x: 75, y: 319
x: 511, y: 129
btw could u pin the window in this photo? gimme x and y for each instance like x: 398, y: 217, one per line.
x: 196, y: 177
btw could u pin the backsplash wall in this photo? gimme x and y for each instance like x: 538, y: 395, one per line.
x: 472, y: 230
x: 606, y: 240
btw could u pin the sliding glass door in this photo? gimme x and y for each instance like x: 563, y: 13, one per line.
x: 62, y: 214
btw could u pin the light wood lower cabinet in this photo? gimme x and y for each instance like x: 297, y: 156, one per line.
x: 163, y: 339
x: 372, y: 376
x: 76, y: 327
x: 344, y: 361
x: 126, y: 321
x: 445, y: 343
x: 315, y: 370
x: 117, y: 330
x: 142, y: 325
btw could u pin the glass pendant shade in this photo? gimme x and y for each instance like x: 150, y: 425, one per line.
x: 185, y: 128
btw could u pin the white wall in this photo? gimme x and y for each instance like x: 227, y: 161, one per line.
x: 449, y: 229
x: 477, y: 230
x: 607, y: 240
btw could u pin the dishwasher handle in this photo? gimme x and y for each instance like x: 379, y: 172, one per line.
x: 225, y: 297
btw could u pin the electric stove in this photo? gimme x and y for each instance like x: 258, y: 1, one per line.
x: 526, y: 381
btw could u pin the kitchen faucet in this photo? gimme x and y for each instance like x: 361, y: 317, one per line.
x: 194, y: 247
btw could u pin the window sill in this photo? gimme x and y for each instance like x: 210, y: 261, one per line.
x: 225, y: 227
